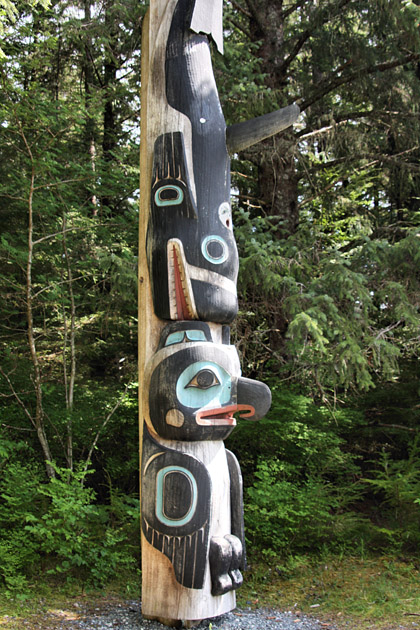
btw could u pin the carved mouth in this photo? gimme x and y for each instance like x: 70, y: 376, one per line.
x: 181, y: 299
x: 222, y: 416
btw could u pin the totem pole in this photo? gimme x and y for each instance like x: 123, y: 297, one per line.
x: 193, y: 547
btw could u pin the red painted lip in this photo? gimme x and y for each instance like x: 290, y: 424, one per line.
x: 222, y: 416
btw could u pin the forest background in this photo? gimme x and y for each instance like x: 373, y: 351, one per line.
x: 327, y: 220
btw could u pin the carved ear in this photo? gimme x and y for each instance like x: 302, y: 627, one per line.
x: 245, y: 134
x: 207, y: 18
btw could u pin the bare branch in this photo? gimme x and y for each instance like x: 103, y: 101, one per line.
x: 56, y: 284
x: 102, y: 427
x: 241, y: 28
x: 72, y: 229
x: 388, y: 329
x: 289, y: 10
x: 240, y: 8
x: 255, y: 14
x: 315, y: 23
x: 63, y: 181
x: 397, y: 426
x: 331, y: 84
x: 336, y: 119
x: 16, y: 395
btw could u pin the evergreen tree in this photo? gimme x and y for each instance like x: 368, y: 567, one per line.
x: 326, y: 210
x: 68, y: 166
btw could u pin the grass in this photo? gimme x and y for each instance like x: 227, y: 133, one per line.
x: 383, y: 591
x: 47, y: 602
x: 355, y: 593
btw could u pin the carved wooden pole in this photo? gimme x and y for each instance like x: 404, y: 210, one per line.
x: 193, y: 546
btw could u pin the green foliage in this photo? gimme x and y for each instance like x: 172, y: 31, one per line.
x: 9, y: 13
x: 302, y: 485
x: 75, y: 530
x: 302, y: 434
x: 396, y: 483
x: 19, y: 499
x: 327, y: 223
x: 59, y: 527
x: 343, y: 317
x: 284, y: 515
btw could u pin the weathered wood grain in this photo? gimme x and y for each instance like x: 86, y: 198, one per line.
x: 164, y: 597
x: 193, y: 546
x: 245, y: 134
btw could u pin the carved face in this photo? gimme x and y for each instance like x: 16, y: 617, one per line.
x: 196, y: 387
x: 192, y: 254
x: 191, y: 250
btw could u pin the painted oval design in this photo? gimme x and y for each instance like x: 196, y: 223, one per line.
x: 169, y: 195
x: 215, y: 249
x: 176, y: 496
x: 225, y: 215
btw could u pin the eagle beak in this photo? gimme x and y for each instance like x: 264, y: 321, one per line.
x: 255, y: 395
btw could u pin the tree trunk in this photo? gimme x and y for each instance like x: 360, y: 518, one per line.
x: 88, y: 73
x: 275, y: 157
x: 38, y: 420
x: 109, y: 141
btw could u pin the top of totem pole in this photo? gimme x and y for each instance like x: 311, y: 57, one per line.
x: 207, y: 18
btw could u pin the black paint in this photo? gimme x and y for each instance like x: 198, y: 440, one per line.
x: 225, y: 559
x: 191, y: 89
x: 236, y: 503
x: 185, y: 545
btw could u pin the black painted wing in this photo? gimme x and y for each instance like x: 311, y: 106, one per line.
x: 176, y: 490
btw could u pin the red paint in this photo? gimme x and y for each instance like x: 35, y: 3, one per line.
x: 181, y: 302
x: 223, y: 415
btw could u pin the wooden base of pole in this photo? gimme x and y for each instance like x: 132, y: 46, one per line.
x: 163, y: 597
x: 169, y: 602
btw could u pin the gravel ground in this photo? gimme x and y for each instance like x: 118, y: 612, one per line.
x: 116, y: 614
x: 127, y: 616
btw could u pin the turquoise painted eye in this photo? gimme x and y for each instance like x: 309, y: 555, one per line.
x: 196, y: 335
x: 175, y: 337
x: 204, y: 380
x: 214, y: 249
x: 179, y: 337
x: 204, y: 384
x: 169, y: 195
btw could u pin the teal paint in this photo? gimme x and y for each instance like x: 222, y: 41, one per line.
x: 160, y: 498
x: 179, y: 337
x: 216, y: 260
x: 169, y: 202
x: 191, y: 395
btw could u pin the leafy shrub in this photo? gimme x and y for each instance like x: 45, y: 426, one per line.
x: 76, y: 531
x: 301, y: 434
x: 285, y: 514
x: 396, y: 483
x: 19, y: 551
x: 301, y: 480
x: 59, y: 528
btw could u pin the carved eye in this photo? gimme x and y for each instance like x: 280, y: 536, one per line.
x: 204, y: 379
x: 214, y: 249
x: 169, y: 195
